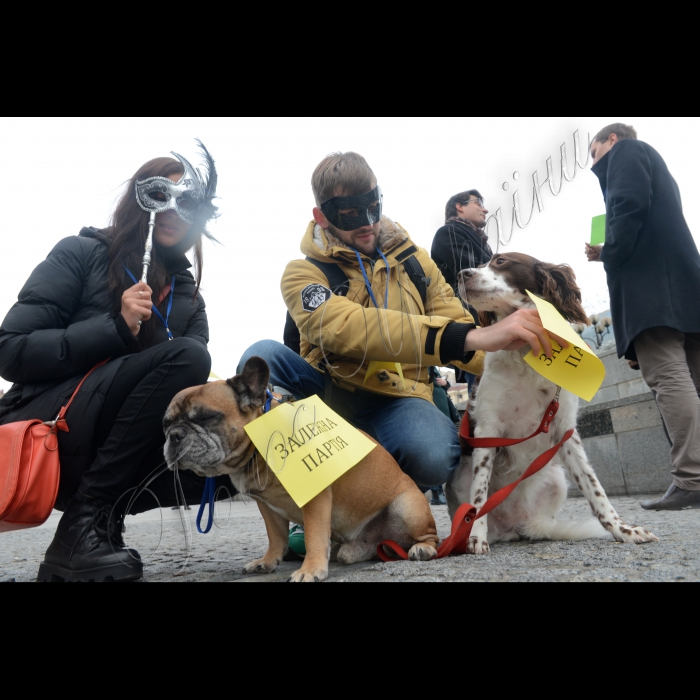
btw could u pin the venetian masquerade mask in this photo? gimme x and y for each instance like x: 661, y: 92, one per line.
x: 352, y: 213
x: 191, y: 197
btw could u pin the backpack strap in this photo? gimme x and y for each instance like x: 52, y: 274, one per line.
x: 415, y: 272
x: 337, y: 279
x: 339, y: 284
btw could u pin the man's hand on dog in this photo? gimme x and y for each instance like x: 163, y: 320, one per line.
x: 514, y: 333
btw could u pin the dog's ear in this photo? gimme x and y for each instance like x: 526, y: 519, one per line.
x: 557, y: 285
x: 487, y: 318
x: 250, y: 387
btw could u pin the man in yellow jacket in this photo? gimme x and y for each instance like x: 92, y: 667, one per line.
x: 368, y: 344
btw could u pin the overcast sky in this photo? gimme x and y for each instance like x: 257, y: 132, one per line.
x: 59, y: 174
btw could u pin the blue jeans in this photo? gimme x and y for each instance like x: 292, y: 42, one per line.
x: 422, y: 439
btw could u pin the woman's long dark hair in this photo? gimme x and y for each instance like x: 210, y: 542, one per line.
x: 127, y: 236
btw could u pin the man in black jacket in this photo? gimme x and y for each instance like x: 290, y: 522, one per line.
x: 653, y: 268
x: 462, y: 244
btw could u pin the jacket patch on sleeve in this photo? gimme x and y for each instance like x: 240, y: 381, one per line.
x: 314, y: 297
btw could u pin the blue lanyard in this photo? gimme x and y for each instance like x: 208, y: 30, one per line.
x: 166, y: 320
x: 209, y: 497
x: 367, y: 282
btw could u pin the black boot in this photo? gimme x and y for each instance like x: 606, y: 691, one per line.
x: 89, y: 548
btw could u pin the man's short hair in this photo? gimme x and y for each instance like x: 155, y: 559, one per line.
x: 461, y: 198
x: 622, y: 131
x: 342, y: 174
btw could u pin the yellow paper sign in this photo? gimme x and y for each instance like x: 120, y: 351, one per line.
x: 376, y: 367
x: 576, y: 369
x: 308, y: 447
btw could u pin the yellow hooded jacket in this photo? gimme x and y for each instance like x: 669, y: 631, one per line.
x: 349, y: 332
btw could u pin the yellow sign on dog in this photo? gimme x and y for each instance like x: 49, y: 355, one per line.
x: 576, y: 369
x: 308, y: 447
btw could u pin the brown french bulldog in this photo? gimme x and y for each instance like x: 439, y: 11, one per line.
x: 373, y: 502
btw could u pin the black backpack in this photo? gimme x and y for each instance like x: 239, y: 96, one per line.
x: 340, y: 285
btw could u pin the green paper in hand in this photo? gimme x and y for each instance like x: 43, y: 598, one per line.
x: 598, y: 231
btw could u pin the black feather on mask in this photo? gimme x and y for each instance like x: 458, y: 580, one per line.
x: 208, y: 211
x: 192, y: 197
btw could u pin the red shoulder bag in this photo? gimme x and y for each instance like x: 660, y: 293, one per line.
x: 30, y: 470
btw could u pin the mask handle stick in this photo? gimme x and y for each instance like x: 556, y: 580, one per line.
x: 149, y: 248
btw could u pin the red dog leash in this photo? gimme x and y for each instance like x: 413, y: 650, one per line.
x: 467, y: 515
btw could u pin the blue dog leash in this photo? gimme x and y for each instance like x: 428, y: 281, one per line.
x: 166, y: 320
x: 209, y: 497
x: 268, y: 404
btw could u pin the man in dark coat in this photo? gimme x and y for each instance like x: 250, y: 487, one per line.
x: 653, y: 268
x: 461, y: 244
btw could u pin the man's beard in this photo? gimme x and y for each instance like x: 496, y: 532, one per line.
x: 343, y: 235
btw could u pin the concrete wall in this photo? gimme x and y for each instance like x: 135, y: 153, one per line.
x: 621, y: 382
x: 627, y: 445
x: 623, y: 432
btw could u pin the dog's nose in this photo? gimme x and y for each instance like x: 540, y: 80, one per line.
x: 177, y: 435
x: 465, y: 275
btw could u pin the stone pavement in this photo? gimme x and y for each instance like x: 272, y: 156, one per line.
x: 221, y: 556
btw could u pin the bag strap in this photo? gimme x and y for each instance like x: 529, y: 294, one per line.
x: 337, y: 279
x: 416, y: 274
x: 339, y: 282
x: 60, y: 422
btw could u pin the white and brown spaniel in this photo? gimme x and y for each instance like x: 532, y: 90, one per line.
x: 510, y: 403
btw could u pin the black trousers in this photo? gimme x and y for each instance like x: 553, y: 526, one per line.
x: 116, y: 434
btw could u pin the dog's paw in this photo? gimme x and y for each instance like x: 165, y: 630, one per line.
x: 634, y: 535
x: 261, y: 566
x: 309, y: 576
x: 478, y: 547
x: 422, y: 552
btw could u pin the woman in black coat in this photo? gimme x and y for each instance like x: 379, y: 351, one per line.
x: 80, y: 307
